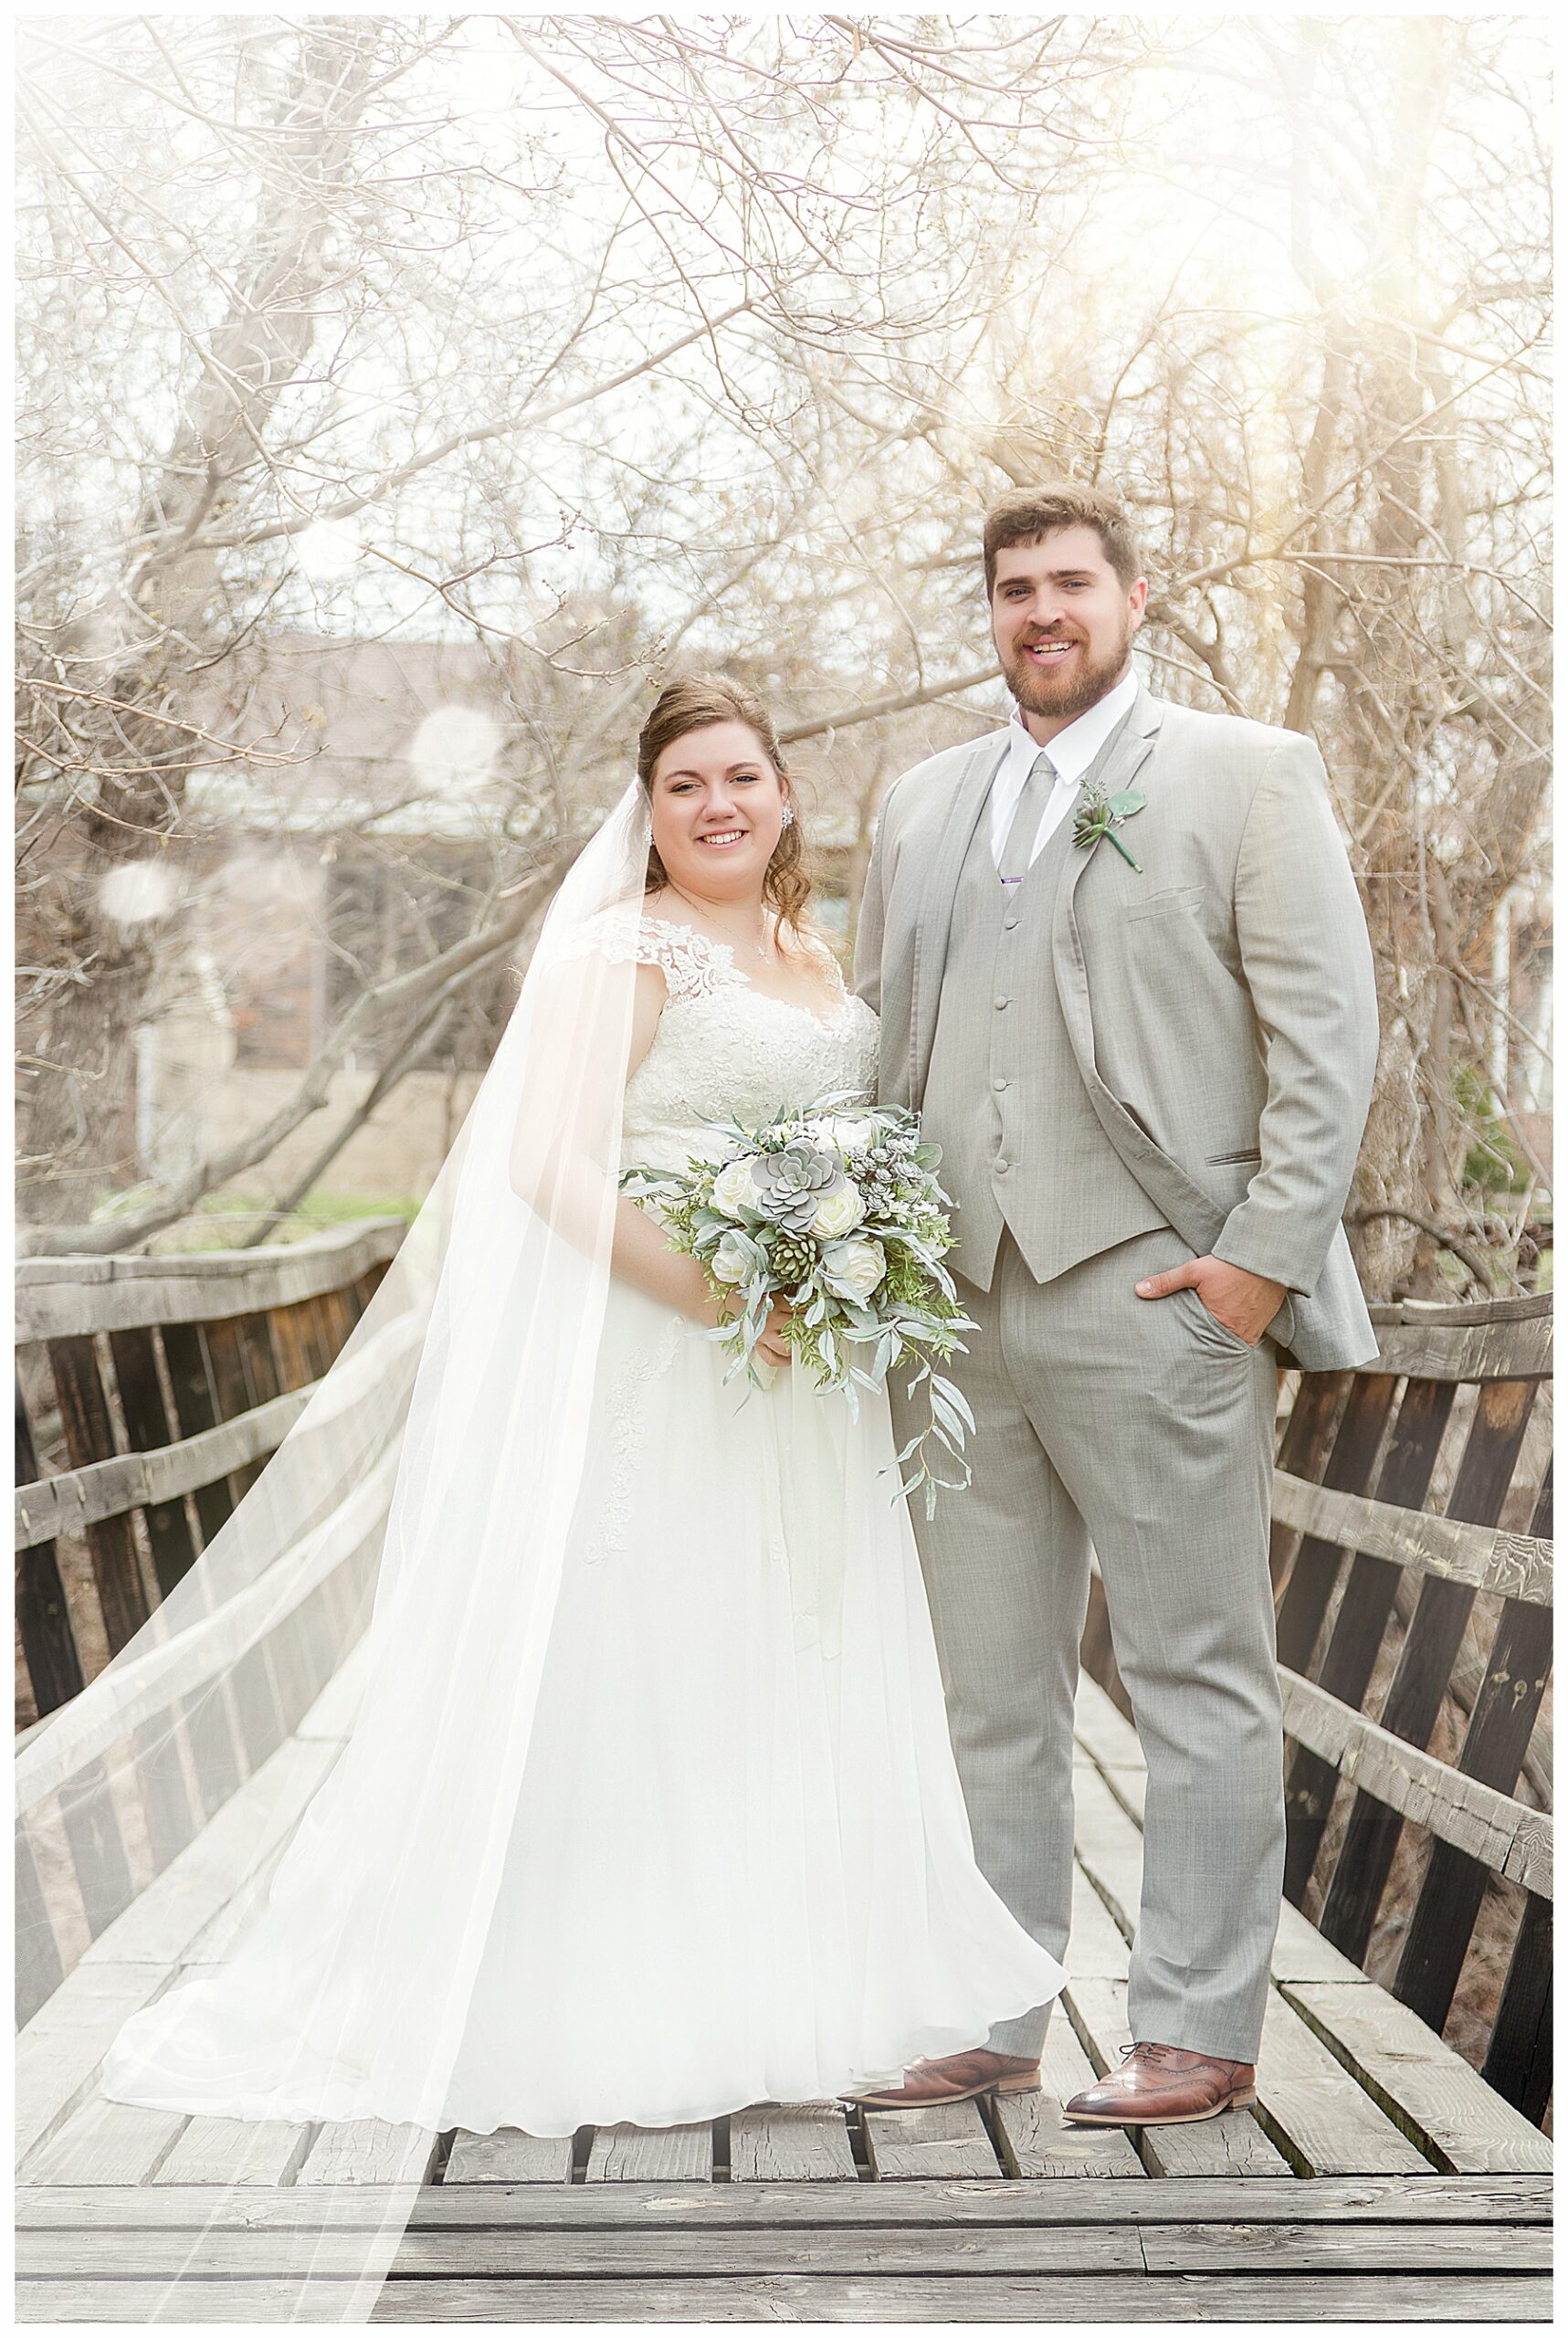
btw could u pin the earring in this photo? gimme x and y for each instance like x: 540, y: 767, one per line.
x: 788, y: 819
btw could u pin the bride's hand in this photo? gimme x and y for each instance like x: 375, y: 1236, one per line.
x: 706, y: 1307
x: 773, y: 1343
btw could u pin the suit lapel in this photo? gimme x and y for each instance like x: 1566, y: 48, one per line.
x: 1196, y: 1218
x: 1120, y: 761
x: 935, y: 927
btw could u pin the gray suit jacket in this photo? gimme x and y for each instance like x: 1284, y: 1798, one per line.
x: 1221, y: 1005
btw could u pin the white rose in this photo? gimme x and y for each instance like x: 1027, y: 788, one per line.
x: 734, y: 1191
x: 838, y: 1212
x: 858, y: 1266
x: 728, y: 1263
x: 850, y: 1132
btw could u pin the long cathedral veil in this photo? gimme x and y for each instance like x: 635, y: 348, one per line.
x: 394, y: 1568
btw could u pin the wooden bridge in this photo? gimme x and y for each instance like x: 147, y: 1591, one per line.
x: 1381, y: 2177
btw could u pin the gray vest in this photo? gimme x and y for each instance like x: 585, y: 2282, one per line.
x: 1021, y: 1145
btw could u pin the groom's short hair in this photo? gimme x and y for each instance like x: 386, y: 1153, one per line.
x: 1031, y: 513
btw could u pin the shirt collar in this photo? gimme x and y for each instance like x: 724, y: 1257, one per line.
x: 1073, y: 749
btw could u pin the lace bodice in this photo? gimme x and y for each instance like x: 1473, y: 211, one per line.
x: 725, y: 1049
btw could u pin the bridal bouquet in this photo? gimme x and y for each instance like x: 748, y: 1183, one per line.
x: 835, y: 1210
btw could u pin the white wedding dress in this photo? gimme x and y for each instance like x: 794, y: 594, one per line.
x: 741, y: 1869
x: 738, y: 1868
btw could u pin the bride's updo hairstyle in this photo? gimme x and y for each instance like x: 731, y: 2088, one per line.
x: 693, y: 704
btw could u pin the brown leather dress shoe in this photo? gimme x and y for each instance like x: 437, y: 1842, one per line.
x: 1163, y: 2086
x: 953, y: 2077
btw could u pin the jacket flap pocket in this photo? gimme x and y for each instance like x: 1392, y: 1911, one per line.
x: 1173, y: 903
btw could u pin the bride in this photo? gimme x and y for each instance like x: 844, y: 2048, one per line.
x: 649, y: 1811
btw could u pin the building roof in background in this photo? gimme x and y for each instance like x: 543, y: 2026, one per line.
x: 349, y: 711
x: 397, y: 737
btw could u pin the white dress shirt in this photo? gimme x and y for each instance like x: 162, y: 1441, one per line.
x: 1071, y: 752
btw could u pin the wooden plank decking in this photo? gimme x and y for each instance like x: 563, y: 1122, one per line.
x: 1380, y: 2179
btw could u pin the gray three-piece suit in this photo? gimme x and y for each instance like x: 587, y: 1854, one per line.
x: 1126, y: 1070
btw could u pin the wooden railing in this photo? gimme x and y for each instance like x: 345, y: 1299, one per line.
x: 172, y: 1382
x: 1390, y: 1485
x: 175, y: 1377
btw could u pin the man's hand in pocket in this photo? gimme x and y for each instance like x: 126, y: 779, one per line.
x: 1245, y: 1303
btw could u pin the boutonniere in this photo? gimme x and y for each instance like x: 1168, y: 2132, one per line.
x: 1101, y: 816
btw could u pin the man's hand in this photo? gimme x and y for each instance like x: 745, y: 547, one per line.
x: 1245, y: 1303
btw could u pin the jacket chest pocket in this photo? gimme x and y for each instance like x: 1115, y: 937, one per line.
x: 1182, y: 901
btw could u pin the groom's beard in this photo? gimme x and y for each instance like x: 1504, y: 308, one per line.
x: 1063, y: 696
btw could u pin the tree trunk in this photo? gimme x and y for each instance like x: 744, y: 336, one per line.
x: 134, y: 651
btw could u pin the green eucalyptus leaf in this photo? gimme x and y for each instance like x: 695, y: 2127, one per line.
x: 943, y: 1414
x: 956, y: 1398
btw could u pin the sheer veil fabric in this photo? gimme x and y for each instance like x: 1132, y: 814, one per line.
x: 401, y: 1553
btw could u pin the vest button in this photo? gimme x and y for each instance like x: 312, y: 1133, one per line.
x: 1001, y: 1003
x: 999, y: 1085
x: 1009, y: 924
x: 1002, y: 1167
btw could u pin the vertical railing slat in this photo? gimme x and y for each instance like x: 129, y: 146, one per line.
x: 90, y: 1436
x: 1311, y: 1584
x: 43, y: 1613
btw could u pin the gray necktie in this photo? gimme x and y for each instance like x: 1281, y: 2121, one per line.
x: 1018, y: 849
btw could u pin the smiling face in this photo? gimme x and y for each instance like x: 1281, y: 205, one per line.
x: 1063, y: 623
x: 717, y: 804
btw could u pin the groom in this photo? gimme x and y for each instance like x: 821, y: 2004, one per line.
x: 1123, y: 973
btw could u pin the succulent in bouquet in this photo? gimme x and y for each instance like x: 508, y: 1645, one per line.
x: 833, y: 1209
